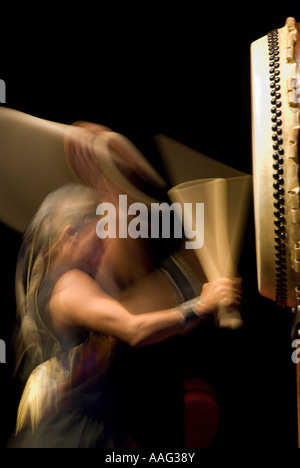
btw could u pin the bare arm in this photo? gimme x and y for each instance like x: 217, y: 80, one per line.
x: 77, y: 300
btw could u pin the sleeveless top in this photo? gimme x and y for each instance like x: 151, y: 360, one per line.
x: 71, y: 400
x: 70, y: 338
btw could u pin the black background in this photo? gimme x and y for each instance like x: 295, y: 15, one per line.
x: 184, y: 72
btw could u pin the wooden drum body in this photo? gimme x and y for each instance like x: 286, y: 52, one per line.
x: 275, y: 87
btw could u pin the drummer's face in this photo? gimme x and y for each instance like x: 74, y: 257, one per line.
x: 88, y: 248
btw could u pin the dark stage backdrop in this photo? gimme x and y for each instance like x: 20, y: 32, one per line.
x: 183, y: 72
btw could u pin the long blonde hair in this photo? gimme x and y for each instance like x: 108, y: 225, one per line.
x: 68, y: 205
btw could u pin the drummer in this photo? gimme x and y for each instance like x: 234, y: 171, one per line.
x: 80, y: 298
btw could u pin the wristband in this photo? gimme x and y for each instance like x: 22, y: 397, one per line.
x: 190, y: 310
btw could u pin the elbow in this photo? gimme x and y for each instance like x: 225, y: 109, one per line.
x: 134, y: 343
x: 135, y: 336
x: 135, y: 340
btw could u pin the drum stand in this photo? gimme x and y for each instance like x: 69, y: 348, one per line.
x: 296, y: 336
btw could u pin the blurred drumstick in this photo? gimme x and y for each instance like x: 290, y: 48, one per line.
x: 225, y: 193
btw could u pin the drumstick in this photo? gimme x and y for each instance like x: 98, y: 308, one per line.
x: 219, y: 254
x: 38, y: 156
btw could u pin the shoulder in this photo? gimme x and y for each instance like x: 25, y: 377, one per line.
x: 73, y: 290
x: 71, y: 296
x: 77, y: 281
